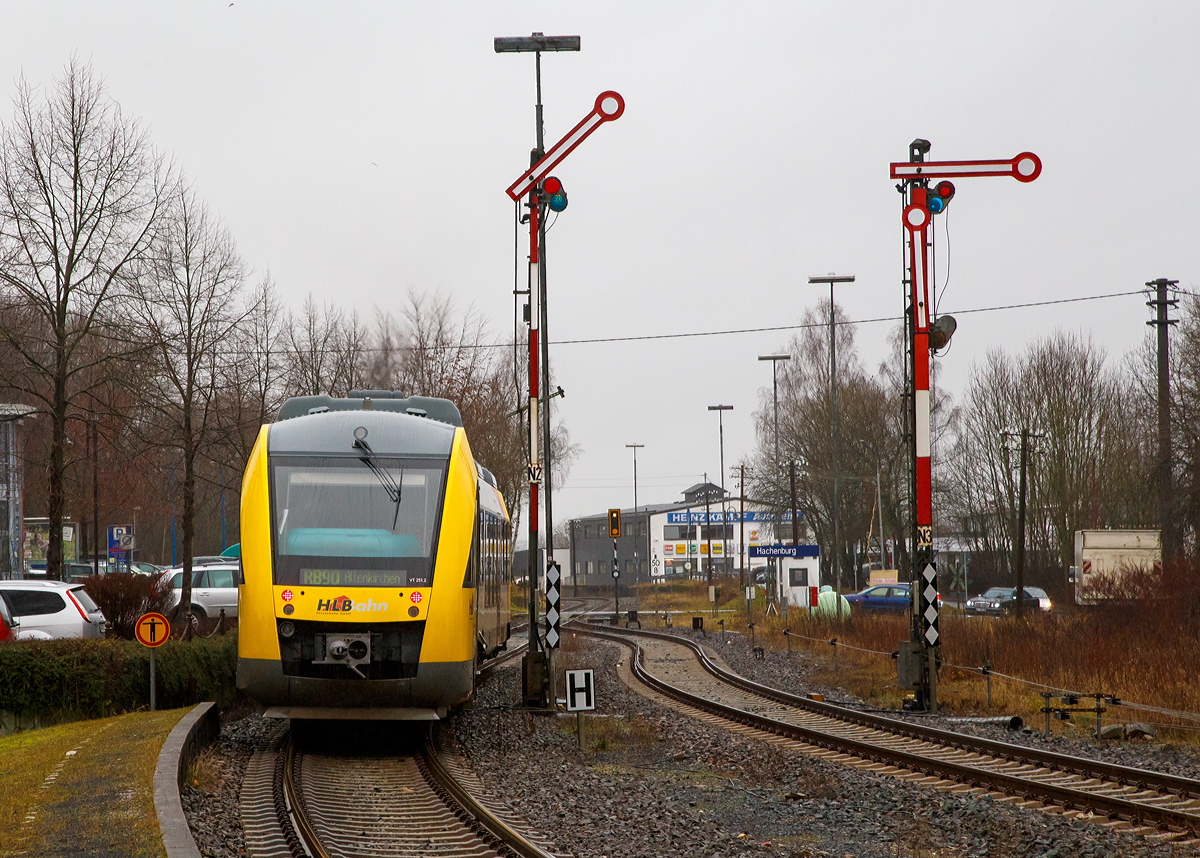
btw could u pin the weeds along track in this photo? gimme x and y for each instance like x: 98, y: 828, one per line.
x: 1149, y: 802
x: 308, y: 795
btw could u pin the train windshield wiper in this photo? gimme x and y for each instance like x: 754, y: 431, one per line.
x: 390, y: 485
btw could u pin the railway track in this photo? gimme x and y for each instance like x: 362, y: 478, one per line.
x: 1150, y: 802
x: 305, y: 796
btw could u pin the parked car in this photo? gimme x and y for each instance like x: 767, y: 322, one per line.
x: 8, y: 626
x: 56, y: 608
x: 1002, y: 601
x: 213, y: 588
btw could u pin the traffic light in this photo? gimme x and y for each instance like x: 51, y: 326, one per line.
x: 556, y: 195
x: 940, y: 197
x: 614, y: 523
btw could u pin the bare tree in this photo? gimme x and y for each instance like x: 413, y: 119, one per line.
x: 81, y: 191
x: 189, y: 302
x: 325, y: 351
x: 445, y: 354
x: 256, y: 370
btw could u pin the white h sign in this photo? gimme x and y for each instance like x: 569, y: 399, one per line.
x: 581, y: 693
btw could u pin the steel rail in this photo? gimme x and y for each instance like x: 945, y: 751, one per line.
x: 295, y: 805
x: 1067, y: 797
x: 1185, y: 788
x: 483, y: 817
x: 469, y: 810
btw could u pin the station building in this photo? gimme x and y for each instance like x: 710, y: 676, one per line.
x: 708, y: 528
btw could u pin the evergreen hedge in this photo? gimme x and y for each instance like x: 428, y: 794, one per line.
x: 77, y: 678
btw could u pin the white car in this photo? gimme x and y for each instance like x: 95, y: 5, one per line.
x: 213, y: 588
x: 55, y: 609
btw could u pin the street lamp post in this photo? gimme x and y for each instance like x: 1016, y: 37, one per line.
x: 721, y: 409
x: 635, y: 448
x: 775, y: 359
x: 835, y: 567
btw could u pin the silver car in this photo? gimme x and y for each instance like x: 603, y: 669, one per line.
x: 54, y: 608
x: 213, y: 588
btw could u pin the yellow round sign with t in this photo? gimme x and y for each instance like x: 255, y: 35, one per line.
x: 152, y: 630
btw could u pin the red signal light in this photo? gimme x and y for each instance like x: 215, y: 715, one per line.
x: 552, y: 185
x: 940, y: 197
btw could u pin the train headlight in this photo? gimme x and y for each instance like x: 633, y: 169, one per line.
x: 286, y: 629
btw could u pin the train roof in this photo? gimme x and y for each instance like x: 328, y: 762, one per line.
x: 390, y: 433
x: 441, y: 410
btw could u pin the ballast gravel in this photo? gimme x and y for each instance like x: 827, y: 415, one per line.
x: 793, y: 671
x: 653, y: 782
x: 210, y: 794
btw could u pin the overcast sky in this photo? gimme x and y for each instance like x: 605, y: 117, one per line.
x: 361, y: 150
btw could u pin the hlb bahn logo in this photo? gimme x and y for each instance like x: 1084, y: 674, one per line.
x: 345, y: 605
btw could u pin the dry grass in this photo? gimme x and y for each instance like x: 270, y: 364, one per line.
x: 1144, y: 651
x: 100, y: 803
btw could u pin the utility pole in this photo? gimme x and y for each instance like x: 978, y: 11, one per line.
x: 1021, y: 524
x: 1022, y: 494
x: 795, y: 512
x: 1163, y: 467
x: 721, y: 409
x: 708, y: 529
x: 835, y: 566
x: 95, y: 438
x: 636, y: 570
x: 742, y: 530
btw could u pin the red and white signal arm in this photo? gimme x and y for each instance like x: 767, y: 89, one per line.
x: 581, y: 690
x: 152, y: 630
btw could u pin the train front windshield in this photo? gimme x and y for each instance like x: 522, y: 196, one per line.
x: 355, y: 522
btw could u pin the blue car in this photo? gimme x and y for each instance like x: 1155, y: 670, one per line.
x: 883, y: 599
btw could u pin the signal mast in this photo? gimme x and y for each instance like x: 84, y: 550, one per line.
x: 928, y: 334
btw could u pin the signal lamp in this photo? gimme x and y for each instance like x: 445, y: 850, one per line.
x: 940, y: 197
x: 556, y: 195
x: 614, y: 523
x: 940, y: 332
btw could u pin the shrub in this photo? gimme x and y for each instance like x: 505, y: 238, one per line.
x: 95, y: 678
x: 124, y: 597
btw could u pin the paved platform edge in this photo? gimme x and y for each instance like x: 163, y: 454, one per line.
x: 196, y: 729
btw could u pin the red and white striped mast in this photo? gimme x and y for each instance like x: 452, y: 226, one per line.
x: 608, y: 106
x: 928, y: 336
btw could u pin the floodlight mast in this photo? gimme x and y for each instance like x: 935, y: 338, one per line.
x: 917, y: 216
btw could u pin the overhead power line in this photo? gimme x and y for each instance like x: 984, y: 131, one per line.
x: 846, y: 322
x: 451, y: 347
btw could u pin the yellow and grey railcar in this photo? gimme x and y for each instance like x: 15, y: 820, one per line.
x: 376, y: 560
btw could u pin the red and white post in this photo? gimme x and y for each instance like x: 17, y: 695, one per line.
x: 917, y: 218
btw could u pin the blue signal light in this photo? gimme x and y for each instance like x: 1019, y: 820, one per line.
x: 939, y: 197
x: 557, y: 202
